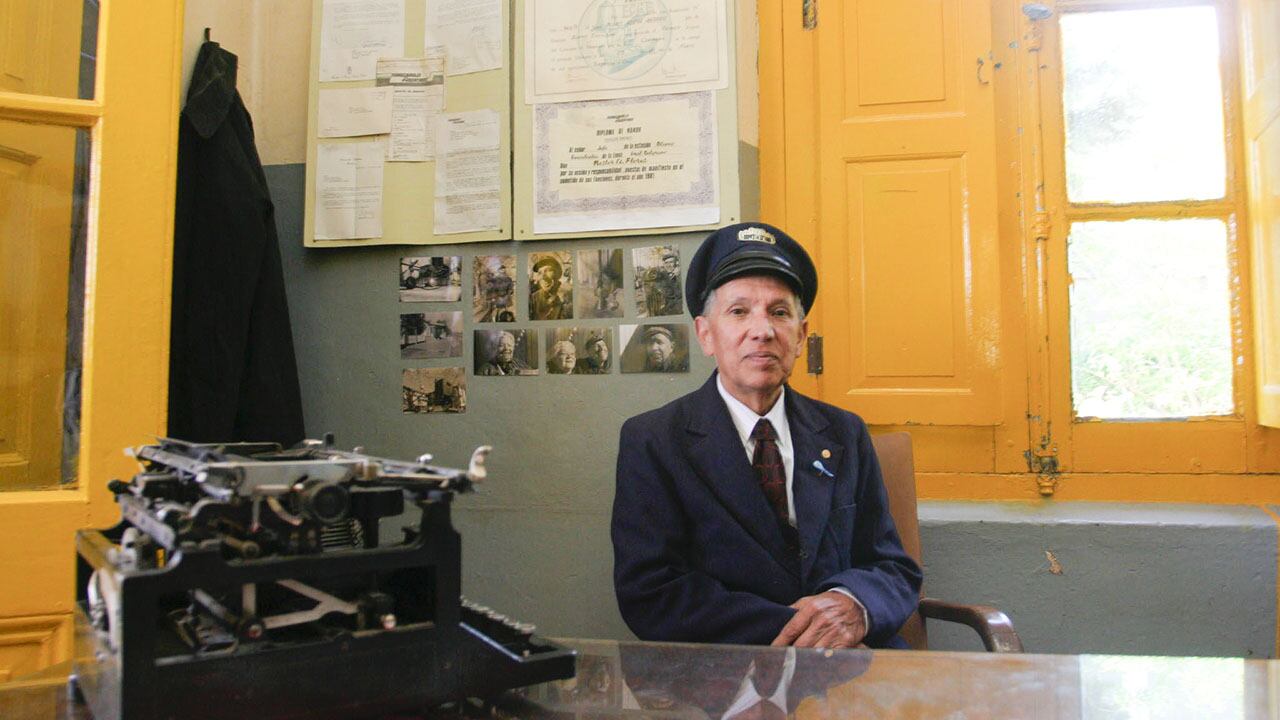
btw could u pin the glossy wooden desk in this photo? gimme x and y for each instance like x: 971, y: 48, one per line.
x: 659, y: 680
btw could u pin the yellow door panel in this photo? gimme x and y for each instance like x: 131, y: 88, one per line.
x: 36, y: 167
x: 40, y: 52
x: 954, y: 449
x: 907, y: 232
x: 30, y: 644
x: 898, y: 54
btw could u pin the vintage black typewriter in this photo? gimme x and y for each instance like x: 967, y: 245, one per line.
x: 246, y: 580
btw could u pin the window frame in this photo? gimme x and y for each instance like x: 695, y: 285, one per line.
x: 1210, y: 444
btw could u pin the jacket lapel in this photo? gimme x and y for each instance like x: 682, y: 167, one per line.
x: 811, y: 485
x: 718, y: 457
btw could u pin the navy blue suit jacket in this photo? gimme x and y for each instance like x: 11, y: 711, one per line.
x: 698, y: 555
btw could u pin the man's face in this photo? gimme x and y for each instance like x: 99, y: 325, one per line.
x: 754, y: 331
x: 659, y: 348
x: 600, y: 352
x: 546, y: 277
x: 506, y: 347
x: 671, y: 264
x: 566, y: 357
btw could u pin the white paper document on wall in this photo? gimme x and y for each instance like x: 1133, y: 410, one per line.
x: 347, y: 112
x: 468, y: 173
x: 417, y: 99
x: 471, y: 32
x: 599, y: 49
x: 630, y: 163
x: 355, y: 33
x: 348, y: 201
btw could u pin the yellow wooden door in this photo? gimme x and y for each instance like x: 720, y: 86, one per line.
x: 892, y: 185
x: 122, y: 137
x: 907, y: 214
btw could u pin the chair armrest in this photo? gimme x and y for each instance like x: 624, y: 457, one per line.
x: 994, y: 626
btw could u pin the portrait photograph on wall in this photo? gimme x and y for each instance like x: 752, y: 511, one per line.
x: 659, y: 291
x: 431, y: 279
x: 551, y: 285
x: 433, y: 390
x: 579, y: 351
x: 506, y: 352
x: 599, y: 284
x: 430, y: 335
x: 493, y: 288
x: 655, y: 348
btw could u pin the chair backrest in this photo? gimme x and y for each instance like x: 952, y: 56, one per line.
x: 899, y: 471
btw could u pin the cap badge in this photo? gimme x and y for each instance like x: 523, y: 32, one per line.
x: 756, y: 234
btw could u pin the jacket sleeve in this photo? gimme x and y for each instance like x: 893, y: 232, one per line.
x: 881, y: 575
x: 661, y: 596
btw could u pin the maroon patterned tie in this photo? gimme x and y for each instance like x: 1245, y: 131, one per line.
x: 772, y: 477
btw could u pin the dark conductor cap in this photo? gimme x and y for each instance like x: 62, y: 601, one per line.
x: 656, y: 330
x: 749, y: 249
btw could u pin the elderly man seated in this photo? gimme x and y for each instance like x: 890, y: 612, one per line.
x: 746, y: 512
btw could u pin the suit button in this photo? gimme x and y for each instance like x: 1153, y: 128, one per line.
x: 804, y: 554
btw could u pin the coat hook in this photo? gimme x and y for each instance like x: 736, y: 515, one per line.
x: 206, y: 34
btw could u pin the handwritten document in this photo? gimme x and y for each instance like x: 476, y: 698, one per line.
x: 417, y: 98
x: 355, y: 33
x: 471, y: 32
x: 347, y: 112
x: 599, y: 49
x: 349, y: 189
x: 468, y: 172
x: 629, y: 163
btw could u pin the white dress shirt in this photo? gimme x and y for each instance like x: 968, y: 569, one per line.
x: 744, y: 421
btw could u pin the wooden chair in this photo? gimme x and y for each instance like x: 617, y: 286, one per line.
x: 898, y: 468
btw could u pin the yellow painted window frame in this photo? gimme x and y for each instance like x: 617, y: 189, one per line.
x: 1194, y: 445
x: 788, y: 76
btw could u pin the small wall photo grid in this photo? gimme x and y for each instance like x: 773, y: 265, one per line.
x: 563, y: 285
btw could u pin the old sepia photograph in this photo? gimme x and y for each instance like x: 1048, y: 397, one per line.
x: 551, y: 285
x: 493, y: 283
x: 599, y: 280
x: 506, y: 352
x: 430, y: 335
x: 657, y: 279
x: 579, y: 351
x: 432, y: 390
x: 430, y: 279
x: 655, y: 348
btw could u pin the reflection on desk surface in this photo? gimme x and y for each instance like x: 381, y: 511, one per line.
x: 670, y: 680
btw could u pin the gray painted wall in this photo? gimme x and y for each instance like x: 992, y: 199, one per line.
x: 536, y: 538
x: 1155, y: 579
x: 1151, y: 579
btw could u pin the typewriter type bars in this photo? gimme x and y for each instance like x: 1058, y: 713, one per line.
x: 250, y: 558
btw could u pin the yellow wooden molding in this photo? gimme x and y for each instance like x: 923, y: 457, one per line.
x: 1209, y: 488
x: 49, y: 110
x: 30, y: 644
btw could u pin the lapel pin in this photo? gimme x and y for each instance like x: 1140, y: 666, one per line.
x: 817, y: 465
x: 826, y: 453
